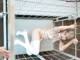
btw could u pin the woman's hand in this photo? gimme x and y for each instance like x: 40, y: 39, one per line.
x: 75, y: 41
x: 4, y: 52
x: 73, y: 26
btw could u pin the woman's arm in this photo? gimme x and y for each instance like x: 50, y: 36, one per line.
x: 62, y: 28
x: 62, y: 47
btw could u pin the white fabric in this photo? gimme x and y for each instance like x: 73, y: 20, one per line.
x: 52, y: 34
x: 36, y: 45
x: 32, y: 48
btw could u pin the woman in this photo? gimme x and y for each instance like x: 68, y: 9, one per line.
x: 4, y: 52
x: 60, y: 34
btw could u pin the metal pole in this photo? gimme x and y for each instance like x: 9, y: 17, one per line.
x: 11, y: 30
x: 64, y: 20
x: 76, y: 11
x: 75, y: 44
x: 4, y: 24
x: 62, y: 23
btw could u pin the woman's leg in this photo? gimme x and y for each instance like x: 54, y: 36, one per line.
x: 35, y: 42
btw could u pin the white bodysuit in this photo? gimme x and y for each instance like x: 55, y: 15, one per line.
x: 51, y: 34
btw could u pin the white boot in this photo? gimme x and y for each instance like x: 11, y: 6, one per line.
x: 36, y: 45
x: 26, y: 46
x: 32, y: 48
x: 24, y: 34
x: 18, y: 42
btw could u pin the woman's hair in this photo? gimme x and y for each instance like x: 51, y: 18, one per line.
x: 71, y: 34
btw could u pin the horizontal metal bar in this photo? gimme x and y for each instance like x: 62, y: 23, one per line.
x: 63, y: 20
x: 35, y: 16
x: 69, y: 55
x: 70, y: 17
x: 74, y: 48
x: 40, y: 57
